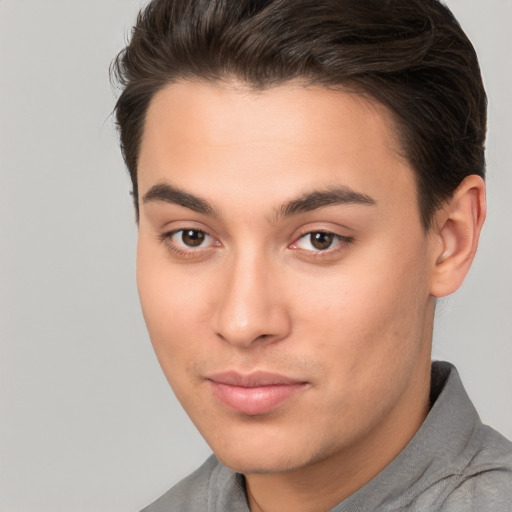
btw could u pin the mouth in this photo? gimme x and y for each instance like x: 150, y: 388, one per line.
x: 253, y: 394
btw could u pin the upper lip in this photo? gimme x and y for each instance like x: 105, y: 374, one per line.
x: 252, y: 380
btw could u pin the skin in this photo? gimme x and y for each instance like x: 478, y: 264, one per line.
x: 352, y: 323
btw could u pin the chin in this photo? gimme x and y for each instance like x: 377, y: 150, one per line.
x: 262, y: 452
x: 261, y: 463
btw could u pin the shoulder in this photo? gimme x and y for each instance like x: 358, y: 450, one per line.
x: 190, y: 494
x: 485, y: 483
x: 212, y: 487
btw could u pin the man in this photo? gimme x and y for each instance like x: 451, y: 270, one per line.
x: 308, y: 179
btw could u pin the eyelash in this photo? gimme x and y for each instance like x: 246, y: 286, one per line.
x: 167, y: 239
x: 342, y: 242
x: 341, y: 245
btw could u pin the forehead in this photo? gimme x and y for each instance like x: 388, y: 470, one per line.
x: 219, y: 112
x: 209, y: 136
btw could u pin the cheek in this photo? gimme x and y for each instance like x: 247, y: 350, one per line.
x: 173, y: 309
x: 369, y: 321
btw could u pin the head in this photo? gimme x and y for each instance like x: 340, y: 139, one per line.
x: 305, y: 176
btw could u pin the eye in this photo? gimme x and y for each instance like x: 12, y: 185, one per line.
x: 184, y: 240
x: 191, y: 237
x: 320, y: 241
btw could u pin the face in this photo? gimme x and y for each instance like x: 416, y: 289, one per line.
x: 283, y: 271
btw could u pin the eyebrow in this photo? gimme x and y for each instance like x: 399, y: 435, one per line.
x: 168, y: 194
x: 309, y: 201
x: 338, y: 195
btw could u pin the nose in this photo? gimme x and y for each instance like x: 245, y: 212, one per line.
x: 251, y: 307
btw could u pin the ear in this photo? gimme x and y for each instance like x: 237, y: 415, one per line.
x: 456, y: 231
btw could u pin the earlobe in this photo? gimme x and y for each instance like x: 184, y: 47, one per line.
x: 457, y: 231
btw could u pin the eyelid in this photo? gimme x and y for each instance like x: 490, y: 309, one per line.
x: 343, y: 241
x: 183, y: 250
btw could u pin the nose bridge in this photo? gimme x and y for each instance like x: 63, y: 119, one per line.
x: 251, y: 308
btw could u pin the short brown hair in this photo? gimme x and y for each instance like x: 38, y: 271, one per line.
x: 410, y: 55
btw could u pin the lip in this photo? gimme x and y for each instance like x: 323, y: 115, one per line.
x: 253, y: 394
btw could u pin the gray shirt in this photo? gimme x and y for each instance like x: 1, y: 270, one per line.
x: 454, y: 463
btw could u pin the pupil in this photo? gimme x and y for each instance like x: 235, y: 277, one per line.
x: 192, y: 237
x: 321, y: 240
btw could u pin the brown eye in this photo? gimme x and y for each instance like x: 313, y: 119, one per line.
x: 321, y: 240
x: 192, y: 237
x: 318, y: 242
x: 190, y: 242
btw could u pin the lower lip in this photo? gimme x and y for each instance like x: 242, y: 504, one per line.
x: 254, y: 401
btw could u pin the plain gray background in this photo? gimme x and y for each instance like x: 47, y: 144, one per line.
x: 87, y: 420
